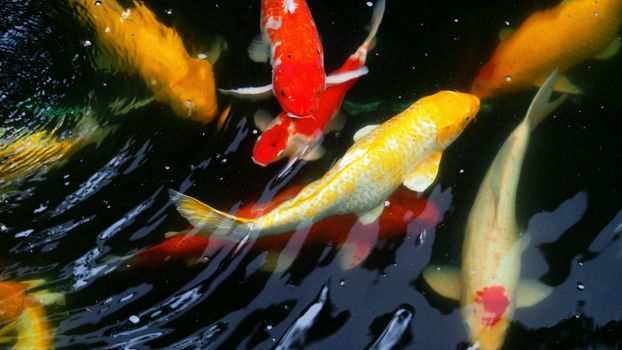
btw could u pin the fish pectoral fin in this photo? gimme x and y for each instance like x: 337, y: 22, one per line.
x: 353, y: 254
x: 340, y: 78
x: 609, y: 51
x: 259, y: 50
x: 364, y: 131
x: 253, y: 93
x: 531, y: 292
x: 314, y: 153
x: 444, y: 280
x: 263, y: 119
x: 371, y: 216
x: 505, y: 33
x: 277, y: 262
x: 424, y: 174
x: 49, y: 298
x: 336, y: 123
x: 563, y: 84
x: 216, y: 49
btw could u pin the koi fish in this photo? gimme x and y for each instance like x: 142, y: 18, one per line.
x: 25, y: 154
x: 488, y: 287
x: 561, y: 37
x: 406, y: 149
x: 300, y: 138
x: 290, y: 40
x: 139, y: 44
x: 404, y: 208
x: 25, y: 314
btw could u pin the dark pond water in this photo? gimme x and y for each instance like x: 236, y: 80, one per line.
x: 66, y: 221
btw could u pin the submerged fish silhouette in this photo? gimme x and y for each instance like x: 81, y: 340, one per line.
x: 403, y: 209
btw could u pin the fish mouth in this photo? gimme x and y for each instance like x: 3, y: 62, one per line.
x: 259, y: 163
x: 295, y: 116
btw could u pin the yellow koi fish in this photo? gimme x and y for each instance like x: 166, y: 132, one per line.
x: 27, y: 154
x: 139, y: 44
x: 561, y: 37
x: 404, y: 150
x: 26, y: 315
x: 488, y: 287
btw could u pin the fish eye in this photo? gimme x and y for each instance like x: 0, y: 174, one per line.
x: 282, y: 92
x: 289, y: 56
x: 318, y: 92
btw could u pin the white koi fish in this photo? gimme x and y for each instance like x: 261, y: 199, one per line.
x: 488, y: 287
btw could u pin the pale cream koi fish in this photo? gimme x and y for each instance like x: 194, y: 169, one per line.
x: 405, y: 149
x: 488, y: 287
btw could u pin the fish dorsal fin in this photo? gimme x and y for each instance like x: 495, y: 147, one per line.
x: 609, y: 51
x: 340, y: 78
x: 505, y: 33
x: 531, y: 292
x: 444, y: 280
x: 252, y: 93
x: 259, y: 50
x: 424, y: 174
x: 370, y: 216
x: 263, y: 119
x: 364, y: 131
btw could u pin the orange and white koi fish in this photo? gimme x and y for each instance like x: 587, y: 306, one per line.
x: 488, y: 287
x: 299, y: 138
x: 139, y: 44
x: 291, y: 41
x: 404, y: 209
x: 561, y: 37
x: 25, y: 315
x: 404, y: 150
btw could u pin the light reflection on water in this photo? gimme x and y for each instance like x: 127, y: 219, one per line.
x: 77, y: 224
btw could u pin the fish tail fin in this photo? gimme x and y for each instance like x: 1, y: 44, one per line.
x: 541, y: 106
x: 375, y: 23
x: 209, y: 219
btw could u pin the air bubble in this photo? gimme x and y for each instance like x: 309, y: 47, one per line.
x: 508, y: 78
x: 168, y: 11
x: 580, y: 286
x: 134, y: 319
x: 98, y: 3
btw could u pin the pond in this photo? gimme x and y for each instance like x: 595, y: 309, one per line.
x: 94, y: 133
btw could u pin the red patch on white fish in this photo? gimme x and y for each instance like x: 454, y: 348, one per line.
x: 494, y: 301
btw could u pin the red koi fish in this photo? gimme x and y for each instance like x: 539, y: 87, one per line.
x: 300, y: 138
x: 291, y: 41
x: 403, y: 208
